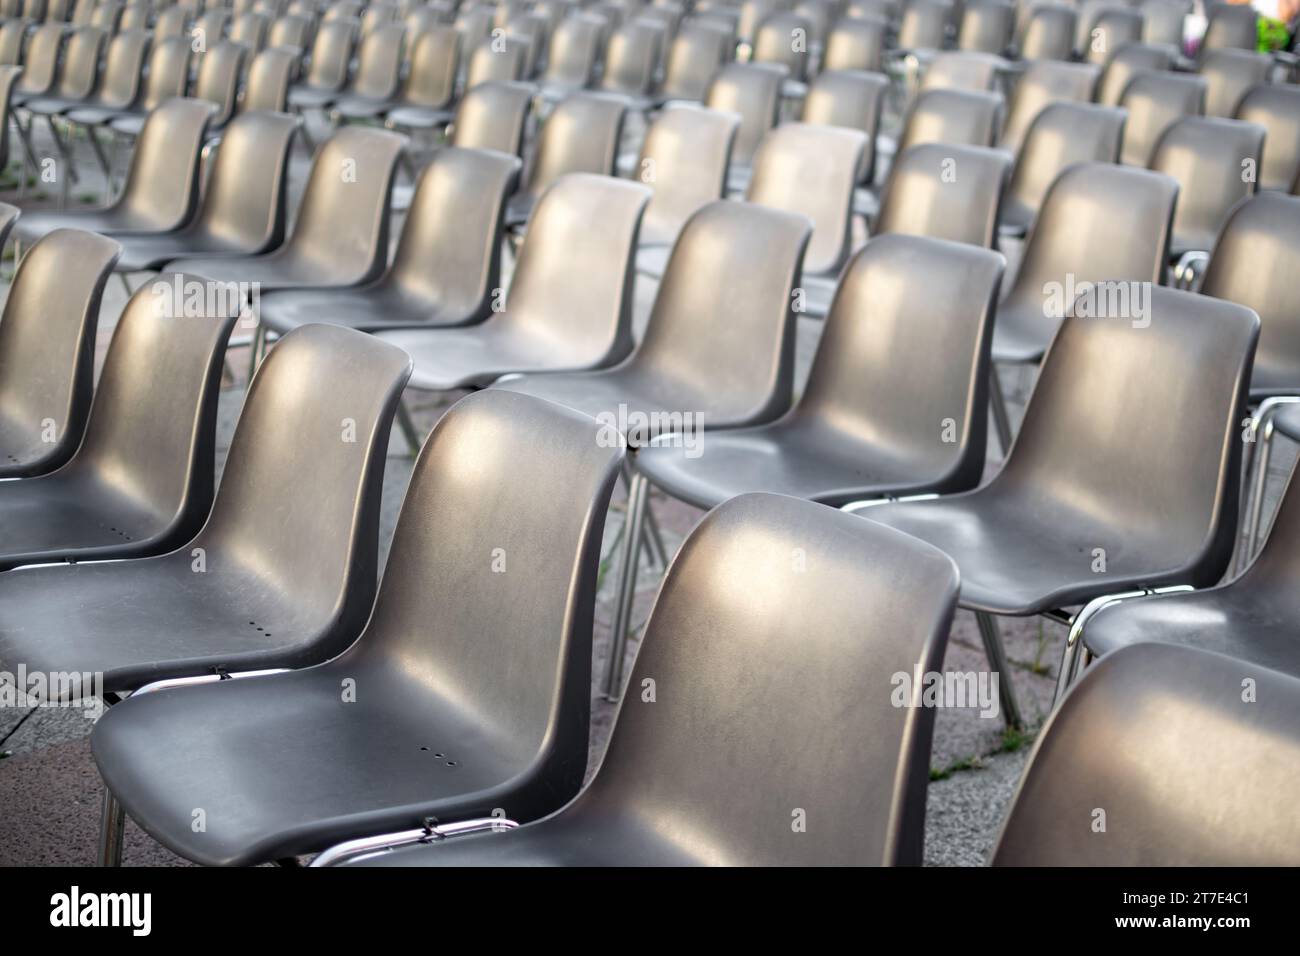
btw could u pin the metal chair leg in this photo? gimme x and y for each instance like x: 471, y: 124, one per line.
x: 255, y: 350
x: 64, y: 151
x: 998, y: 405
x: 636, y: 501
x: 407, y: 426
x: 998, y: 661
x: 112, y: 821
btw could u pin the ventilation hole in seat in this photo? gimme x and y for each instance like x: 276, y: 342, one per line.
x: 451, y: 763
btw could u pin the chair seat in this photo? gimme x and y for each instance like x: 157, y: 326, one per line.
x: 22, y: 452
x: 788, y: 458
x: 50, y: 105
x: 271, y: 271
x: 153, y: 618
x: 1287, y: 421
x: 519, y: 208
x: 1184, y: 243
x: 1254, y: 624
x: 63, y: 516
x: 296, y: 768
x: 96, y: 115
x: 371, y: 308
x: 148, y: 253
x: 419, y: 117
x: 107, y: 222
x: 1014, y: 218
x: 361, y: 107
x: 309, y: 97
x: 1020, y: 557
x: 652, y: 260
x: 1020, y: 338
x: 129, y: 125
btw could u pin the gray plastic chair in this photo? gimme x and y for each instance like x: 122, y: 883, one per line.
x: 270, y: 76
x: 13, y: 38
x: 8, y: 77
x: 430, y: 83
x: 630, y: 59
x: 220, y: 71
x: 945, y: 191
x: 986, y: 26
x: 570, y: 302
x: 856, y: 43
x: 963, y: 70
x: 493, y: 116
x: 573, y: 55
x: 340, y: 236
x: 275, y: 578
x: 1210, y: 159
x: 171, y: 22
x: 161, y: 192
x: 1136, y: 59
x: 1112, y: 30
x: 783, y: 39
x: 699, y: 777
x: 1187, y: 772
x: 1074, y: 514
x: 1062, y: 135
x: 851, y: 99
x: 166, y: 77
x: 1098, y: 223
x: 47, y: 348
x: 1155, y: 102
x: 1043, y: 83
x: 1164, y: 21
x: 959, y: 117
x: 684, y: 159
x: 1048, y: 33
x: 77, y: 79
x: 484, y: 736
x: 753, y: 92
x: 118, y: 88
x: 40, y: 63
x: 447, y: 268
x: 923, y: 25
x: 293, y: 31
x: 140, y: 483
x: 1229, y: 76
x: 244, y: 209
x: 1277, y: 109
x: 331, y: 52
x: 377, y: 77
x: 694, y: 56
x: 250, y: 30
x: 581, y: 135
x: 531, y: 29
x: 1231, y: 26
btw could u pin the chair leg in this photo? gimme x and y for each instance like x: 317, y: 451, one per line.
x: 998, y: 405
x: 998, y: 661
x: 255, y: 350
x: 407, y: 425
x: 636, y: 502
x: 112, y: 822
x: 65, y: 153
x: 1263, y: 452
x: 126, y: 284
x: 653, y: 543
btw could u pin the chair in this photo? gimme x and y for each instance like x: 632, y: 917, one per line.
x: 753, y: 92
x: 1164, y: 21
x: 923, y: 26
x: 292, y: 31
x: 531, y: 30
x: 581, y: 135
x: 492, y: 116
x: 140, y: 483
x: 961, y: 70
x: 945, y: 191
x: 77, y: 79
x: 374, y: 83
x: 166, y: 77
x: 429, y: 85
x: 570, y: 302
x: 270, y: 77
x: 220, y: 71
x: 1062, y: 135
x: 1134, y: 60
x: 40, y: 64
x: 1229, y: 76
x: 249, y: 29
x: 960, y: 117
x: 573, y: 55
x: 759, y: 655
x: 327, y: 73
x: 630, y: 60
x: 1231, y: 27
x: 170, y: 22
x: 694, y: 56
x: 1155, y: 102
x: 1074, y: 515
x: 13, y: 37
x: 8, y: 77
x: 986, y: 26
x: 244, y: 209
x: 1043, y: 83
x: 684, y: 159
x: 447, y: 268
x: 1210, y: 159
x: 1114, y: 28
x: 1120, y: 744
x: 1277, y: 109
x: 855, y: 43
x: 161, y: 192
x: 850, y: 99
x: 481, y: 736
x: 1048, y: 32
x: 47, y: 348
x: 782, y: 39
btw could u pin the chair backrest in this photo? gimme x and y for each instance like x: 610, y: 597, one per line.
x: 1134, y: 60
x: 343, y: 217
x: 169, y: 72
x: 783, y: 39
x: 499, y: 59
x: 151, y: 436
x: 209, y: 28
x: 343, y: 10
x: 986, y: 26
x: 82, y: 11
x: 573, y: 282
x: 80, y: 68
x: 376, y: 16
x: 246, y: 200
x: 123, y: 63
x: 1099, y: 222
x: 269, y: 77
x: 435, y: 61
x: 250, y: 30
x: 962, y: 70
x: 450, y: 249
x: 1275, y: 107
x: 493, y: 116
x: 856, y: 43
x: 331, y: 53
x: 420, y: 19
x: 1231, y: 26
x: 961, y: 117
x: 574, y: 51
x: 753, y: 92
x: 379, y: 62
x: 693, y: 57
x: 790, y: 158
x: 13, y: 37
x: 580, y: 136
x: 1229, y: 76
x: 866, y: 378
x: 1043, y: 83
x: 1163, y: 21
x: 291, y: 31
x: 1184, y: 359
x: 630, y: 60
x: 1062, y: 135
x: 1215, y: 162
x: 220, y: 69
x: 945, y: 191
x: 739, y: 265
x: 163, y: 181
x: 1119, y: 743
x: 47, y: 340
x: 851, y: 99
x: 106, y: 16
x: 684, y: 159
x: 1049, y: 32
x: 923, y: 25
x: 170, y: 22
x: 1113, y: 30
x: 752, y: 15
x: 41, y: 62
x: 761, y: 656
x: 1155, y: 101
x: 448, y: 603
x: 8, y: 79
x: 1254, y: 264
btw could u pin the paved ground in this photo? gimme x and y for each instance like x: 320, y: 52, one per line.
x: 49, y: 790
